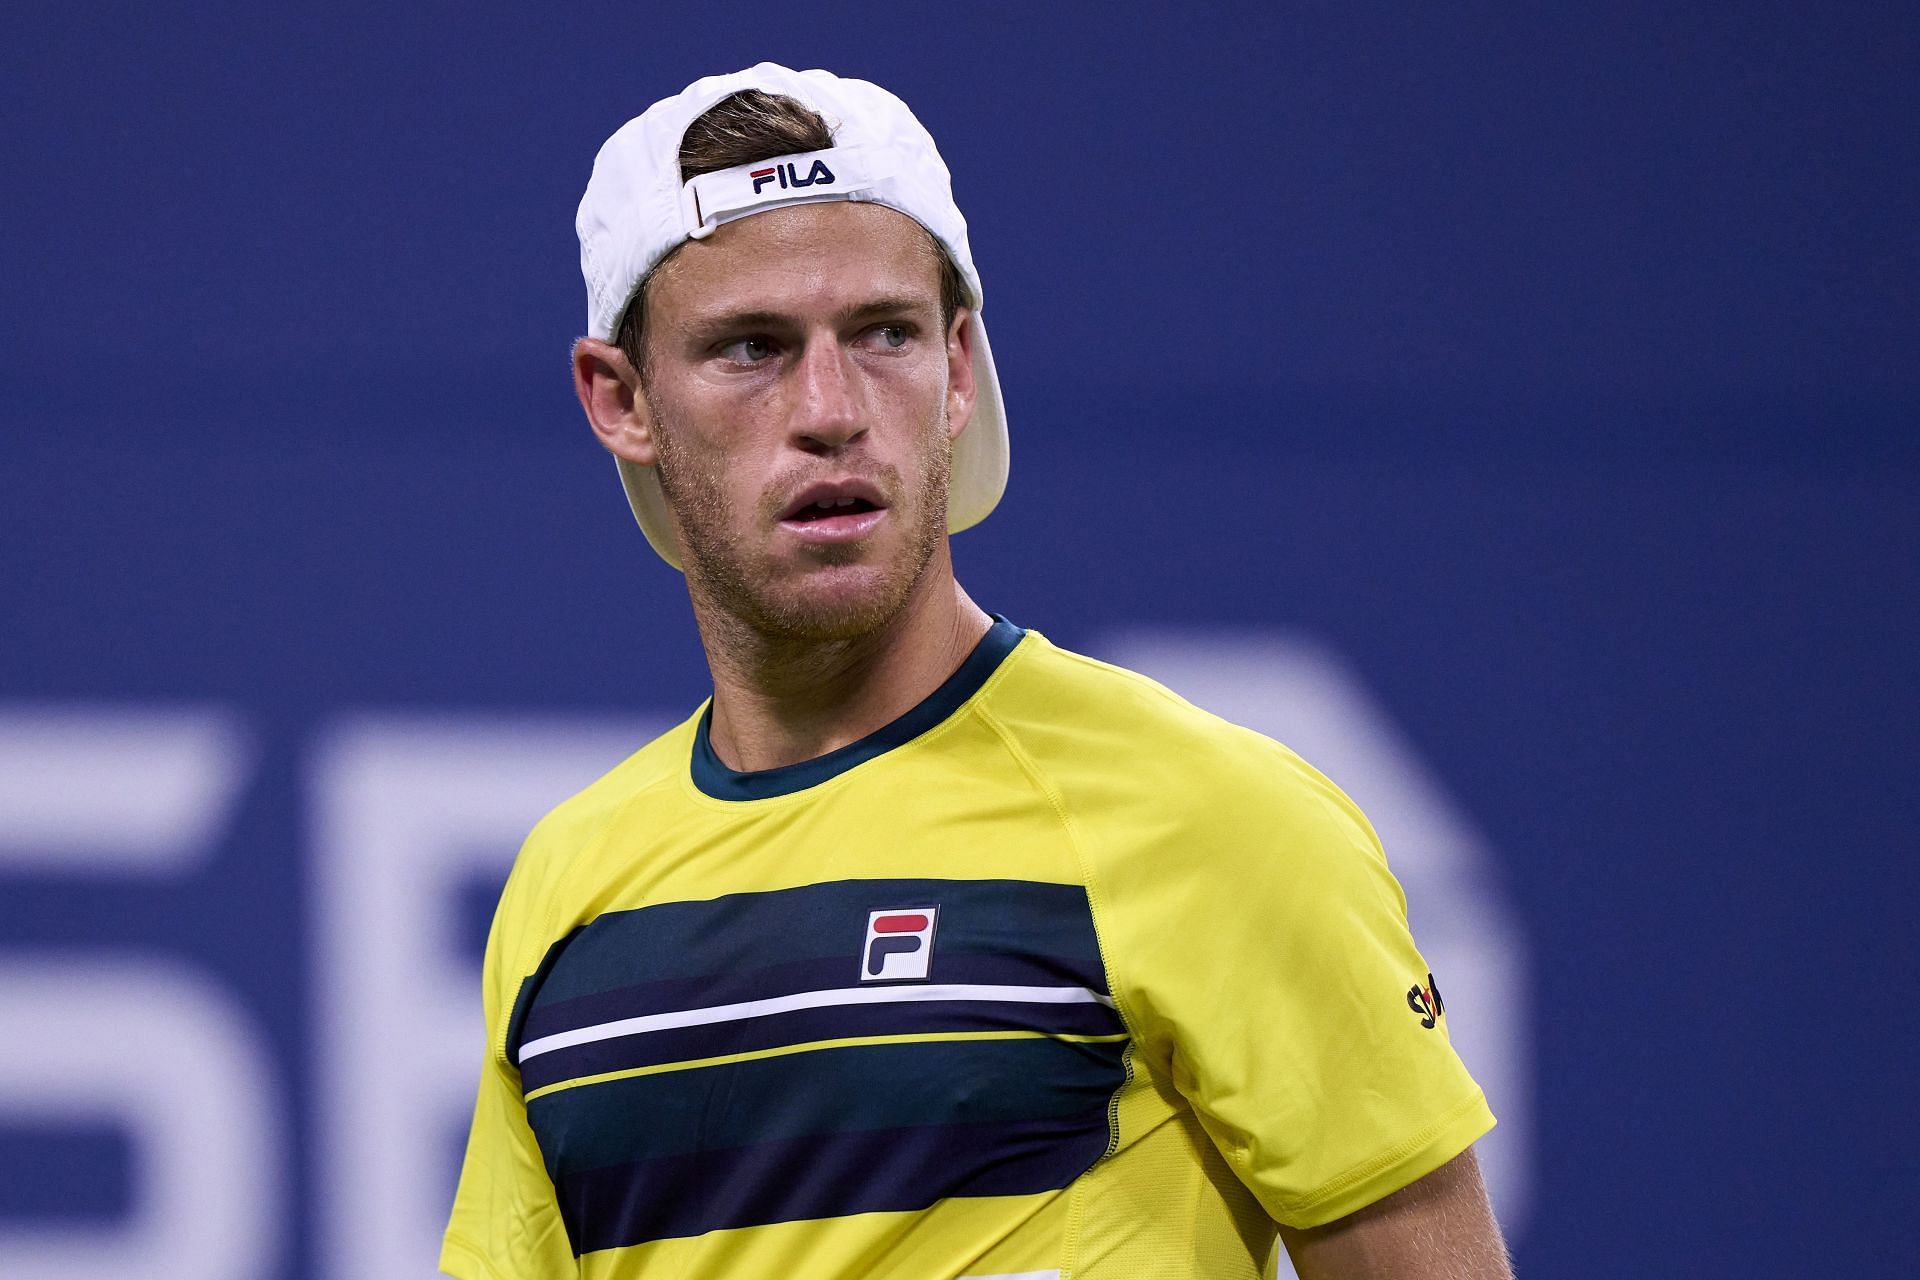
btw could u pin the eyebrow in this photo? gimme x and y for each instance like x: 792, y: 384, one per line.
x: 872, y: 309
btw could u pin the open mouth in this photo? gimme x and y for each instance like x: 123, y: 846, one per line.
x: 828, y: 508
x: 834, y: 511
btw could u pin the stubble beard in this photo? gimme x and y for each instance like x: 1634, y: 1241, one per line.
x: 735, y: 587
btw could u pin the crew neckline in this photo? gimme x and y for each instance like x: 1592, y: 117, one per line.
x: 715, y: 779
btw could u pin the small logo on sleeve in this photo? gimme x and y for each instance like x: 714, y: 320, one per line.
x: 1426, y: 1002
x: 789, y: 176
x: 899, y: 945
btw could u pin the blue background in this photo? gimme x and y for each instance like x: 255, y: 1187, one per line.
x: 1559, y: 367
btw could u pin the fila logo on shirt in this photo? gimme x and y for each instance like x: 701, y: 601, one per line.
x: 788, y: 176
x: 899, y: 944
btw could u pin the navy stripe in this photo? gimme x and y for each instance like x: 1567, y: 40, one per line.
x: 874, y: 1171
x: 826, y: 1091
x: 722, y: 783
x: 950, y: 965
x: 749, y: 932
x: 532, y: 988
x: 746, y: 1035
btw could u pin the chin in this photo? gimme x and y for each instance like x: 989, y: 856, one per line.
x: 837, y: 602
x: 819, y: 594
x: 809, y: 603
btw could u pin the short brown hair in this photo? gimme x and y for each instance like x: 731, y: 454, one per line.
x: 739, y: 129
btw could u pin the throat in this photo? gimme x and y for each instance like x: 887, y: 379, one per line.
x: 788, y: 704
x: 801, y: 703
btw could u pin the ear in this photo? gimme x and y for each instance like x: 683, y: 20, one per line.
x: 609, y: 391
x: 960, y: 385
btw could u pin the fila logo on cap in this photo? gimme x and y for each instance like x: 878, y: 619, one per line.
x: 899, y: 944
x: 788, y: 176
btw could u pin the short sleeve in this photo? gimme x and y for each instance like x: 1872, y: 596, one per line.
x: 1260, y: 946
x: 506, y: 1221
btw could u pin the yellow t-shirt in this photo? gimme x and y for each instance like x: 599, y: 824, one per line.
x: 1055, y: 974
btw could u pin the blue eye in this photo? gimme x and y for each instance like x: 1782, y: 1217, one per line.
x: 893, y: 335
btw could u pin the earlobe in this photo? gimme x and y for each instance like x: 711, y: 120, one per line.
x: 609, y: 392
x: 961, y: 391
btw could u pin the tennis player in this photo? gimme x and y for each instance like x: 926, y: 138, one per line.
x: 924, y: 949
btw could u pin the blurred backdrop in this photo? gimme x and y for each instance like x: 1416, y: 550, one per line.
x: 1513, y: 408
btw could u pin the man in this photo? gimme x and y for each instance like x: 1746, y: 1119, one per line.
x: 924, y: 949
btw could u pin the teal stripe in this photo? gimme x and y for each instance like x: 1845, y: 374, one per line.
x: 722, y: 783
x: 821, y: 1091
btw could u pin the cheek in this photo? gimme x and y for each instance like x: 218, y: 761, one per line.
x: 911, y: 392
x: 697, y: 430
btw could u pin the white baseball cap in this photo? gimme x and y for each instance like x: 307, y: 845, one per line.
x: 636, y: 211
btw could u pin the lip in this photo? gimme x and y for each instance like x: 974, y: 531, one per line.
x: 831, y: 530
x: 828, y: 530
x: 830, y: 491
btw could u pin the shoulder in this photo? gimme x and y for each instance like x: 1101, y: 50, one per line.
x: 579, y: 820
x: 572, y: 829
x: 1110, y: 735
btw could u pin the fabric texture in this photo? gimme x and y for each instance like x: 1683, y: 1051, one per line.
x: 1064, y: 974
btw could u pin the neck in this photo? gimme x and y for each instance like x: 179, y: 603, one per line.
x: 779, y: 700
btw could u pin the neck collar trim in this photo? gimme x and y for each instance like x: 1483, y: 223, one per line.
x: 718, y: 781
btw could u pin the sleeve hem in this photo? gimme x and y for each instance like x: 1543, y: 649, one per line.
x: 1387, y: 1173
x: 457, y: 1259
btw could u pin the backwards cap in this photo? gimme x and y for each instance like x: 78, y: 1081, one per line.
x: 636, y: 211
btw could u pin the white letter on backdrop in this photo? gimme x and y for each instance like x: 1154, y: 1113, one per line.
x: 145, y: 1045
x: 408, y: 813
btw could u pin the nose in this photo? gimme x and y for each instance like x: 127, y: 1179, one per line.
x: 830, y: 412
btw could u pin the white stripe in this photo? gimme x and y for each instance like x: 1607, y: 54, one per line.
x: 1016, y: 1275
x: 806, y: 1000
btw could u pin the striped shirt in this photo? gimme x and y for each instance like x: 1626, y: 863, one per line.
x: 1055, y: 975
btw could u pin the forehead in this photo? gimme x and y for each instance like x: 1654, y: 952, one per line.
x: 799, y: 260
